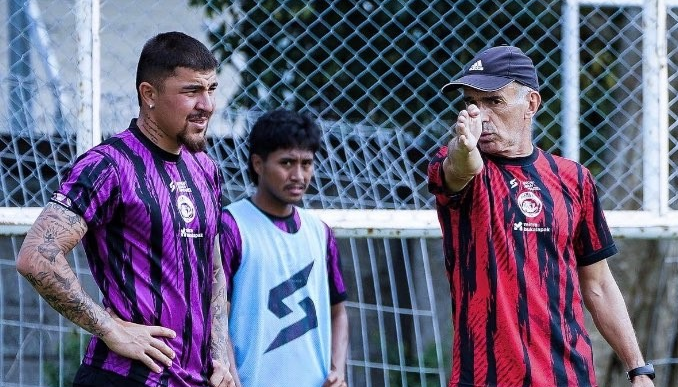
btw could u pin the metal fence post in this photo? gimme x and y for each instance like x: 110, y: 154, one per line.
x: 655, y: 108
x: 22, y: 82
x: 89, y: 84
x: 570, y: 84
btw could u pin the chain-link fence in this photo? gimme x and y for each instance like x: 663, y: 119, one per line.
x: 369, y: 71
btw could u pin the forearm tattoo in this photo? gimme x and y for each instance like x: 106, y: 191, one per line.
x: 56, y: 232
x: 219, y: 316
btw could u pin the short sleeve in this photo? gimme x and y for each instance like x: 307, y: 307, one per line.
x: 231, y: 247
x: 436, y: 182
x: 593, y: 241
x: 334, y: 272
x: 90, y: 188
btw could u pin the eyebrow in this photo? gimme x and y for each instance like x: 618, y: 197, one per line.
x: 484, y: 97
x: 198, y: 86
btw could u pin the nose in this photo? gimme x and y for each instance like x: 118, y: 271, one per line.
x: 205, y: 102
x: 484, y: 112
x: 297, y: 173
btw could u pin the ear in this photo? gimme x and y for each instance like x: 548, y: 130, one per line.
x: 534, y: 101
x: 148, y: 94
x: 257, y: 164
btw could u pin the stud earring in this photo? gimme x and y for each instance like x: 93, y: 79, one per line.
x: 151, y: 107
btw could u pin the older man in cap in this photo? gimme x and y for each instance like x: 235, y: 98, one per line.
x: 525, y: 242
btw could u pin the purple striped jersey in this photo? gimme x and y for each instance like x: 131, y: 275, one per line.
x: 513, y: 240
x: 152, y: 218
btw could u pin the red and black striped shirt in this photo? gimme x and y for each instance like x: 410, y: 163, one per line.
x: 513, y: 240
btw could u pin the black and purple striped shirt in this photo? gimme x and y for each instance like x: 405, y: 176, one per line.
x: 152, y: 218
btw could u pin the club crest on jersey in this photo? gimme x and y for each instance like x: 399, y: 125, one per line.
x: 186, y: 208
x: 530, y: 204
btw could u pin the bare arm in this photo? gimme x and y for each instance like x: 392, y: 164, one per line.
x: 42, y: 261
x: 605, y: 302
x: 339, y: 346
x: 222, y: 351
x: 463, y: 160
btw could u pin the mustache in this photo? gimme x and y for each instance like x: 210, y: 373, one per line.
x: 200, y: 115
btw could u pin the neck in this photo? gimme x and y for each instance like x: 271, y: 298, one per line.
x: 280, y: 210
x: 150, y: 128
x: 524, y: 151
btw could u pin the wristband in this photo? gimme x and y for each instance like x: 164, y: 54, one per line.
x: 647, y: 370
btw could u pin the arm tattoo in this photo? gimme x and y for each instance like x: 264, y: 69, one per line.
x: 49, y: 249
x: 55, y: 233
x: 67, y: 297
x: 220, y: 336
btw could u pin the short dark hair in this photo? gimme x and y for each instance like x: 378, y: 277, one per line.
x: 281, y: 129
x: 165, y: 52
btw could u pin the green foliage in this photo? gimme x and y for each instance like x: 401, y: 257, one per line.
x: 379, y: 63
x: 414, y: 379
x: 70, y: 344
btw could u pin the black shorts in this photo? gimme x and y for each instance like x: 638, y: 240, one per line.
x: 88, y: 376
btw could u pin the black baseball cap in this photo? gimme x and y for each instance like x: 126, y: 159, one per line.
x: 495, y: 68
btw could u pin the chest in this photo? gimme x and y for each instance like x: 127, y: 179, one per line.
x: 522, y: 199
x: 172, y: 196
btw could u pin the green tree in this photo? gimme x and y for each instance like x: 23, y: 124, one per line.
x: 372, y: 62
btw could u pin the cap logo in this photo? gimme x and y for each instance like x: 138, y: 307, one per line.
x: 478, y: 66
x: 496, y: 67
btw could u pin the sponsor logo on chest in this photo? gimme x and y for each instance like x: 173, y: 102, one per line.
x: 186, y: 207
x: 530, y: 204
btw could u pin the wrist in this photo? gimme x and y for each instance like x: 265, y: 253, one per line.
x: 106, y: 327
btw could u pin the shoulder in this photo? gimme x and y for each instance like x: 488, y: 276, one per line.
x: 437, y: 157
x: 559, y: 160
x: 113, y: 151
x: 237, y: 214
x: 229, y: 224
x: 227, y: 215
x: 310, y: 218
x: 204, y: 159
x: 308, y: 215
x: 563, y: 166
x: 96, y: 164
x: 235, y: 206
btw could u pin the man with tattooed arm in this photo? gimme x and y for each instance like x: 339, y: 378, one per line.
x: 145, y: 203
